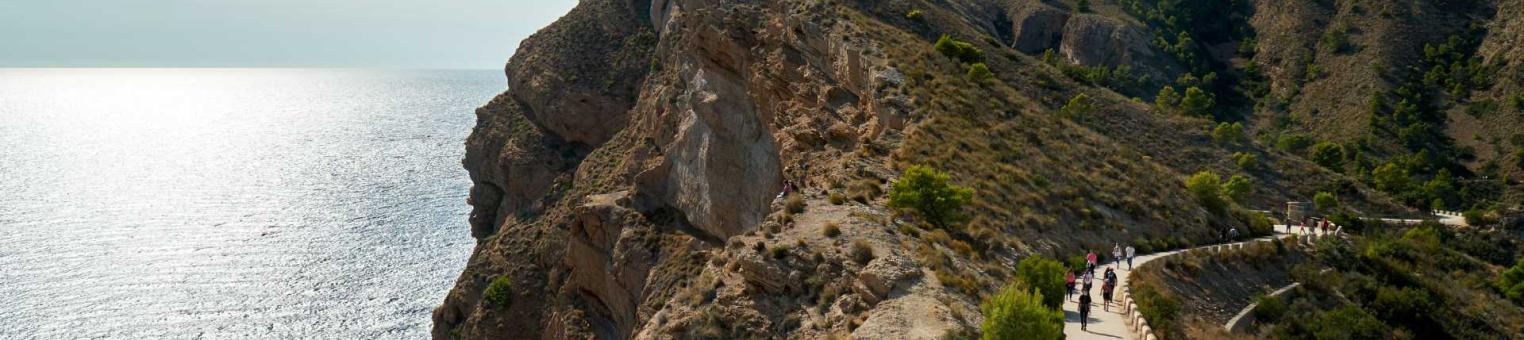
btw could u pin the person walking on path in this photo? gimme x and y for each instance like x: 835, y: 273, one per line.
x: 1084, y: 309
x: 1069, y: 284
x: 1090, y: 261
x: 1106, y: 296
x: 1130, y: 253
x: 1116, y: 253
x: 1086, y: 281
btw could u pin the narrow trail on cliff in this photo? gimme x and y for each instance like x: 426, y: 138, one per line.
x: 1113, y: 323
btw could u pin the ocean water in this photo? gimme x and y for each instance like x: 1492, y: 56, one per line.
x: 232, y: 203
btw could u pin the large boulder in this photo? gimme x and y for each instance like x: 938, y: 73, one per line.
x: 1037, y: 27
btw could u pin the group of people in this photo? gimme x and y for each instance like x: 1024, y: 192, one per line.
x: 1086, y: 279
x: 1317, y: 226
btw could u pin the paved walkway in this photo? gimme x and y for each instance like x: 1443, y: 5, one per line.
x: 1112, y: 324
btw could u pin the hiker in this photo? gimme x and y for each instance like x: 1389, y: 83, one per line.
x: 1106, y: 296
x: 1069, y: 284
x: 1116, y: 253
x: 1130, y: 253
x: 1086, y: 280
x: 1090, y: 261
x: 1084, y: 309
x: 1110, y: 278
x: 1232, y: 233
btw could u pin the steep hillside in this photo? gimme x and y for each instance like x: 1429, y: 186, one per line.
x: 630, y: 182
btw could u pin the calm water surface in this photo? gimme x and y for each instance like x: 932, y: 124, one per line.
x: 217, y: 204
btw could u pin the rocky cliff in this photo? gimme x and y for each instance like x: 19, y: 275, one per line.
x: 627, y: 185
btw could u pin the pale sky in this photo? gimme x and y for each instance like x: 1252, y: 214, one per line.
x: 471, y: 34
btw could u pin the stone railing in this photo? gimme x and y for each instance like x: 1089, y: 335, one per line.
x: 1245, y: 317
x: 1137, y: 324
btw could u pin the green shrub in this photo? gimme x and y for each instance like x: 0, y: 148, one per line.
x: 1238, y: 188
x: 1019, y: 313
x: 1142, y: 246
x: 1259, y: 224
x: 928, y: 193
x: 1076, y: 108
x: 1229, y: 133
x: 1349, y: 322
x: 1197, y: 103
x: 1292, y: 143
x: 915, y: 14
x: 1269, y: 309
x: 1246, y: 161
x: 1329, y: 155
x: 861, y: 252
x: 1511, y: 282
x: 1162, y: 312
x: 1326, y: 202
x: 831, y: 230
x: 1391, y: 177
x: 1076, y: 262
x: 1167, y: 100
x: 1205, y: 186
x: 958, y: 49
x: 1083, y: 6
x: 1405, y: 305
x: 499, y: 293
x: 1475, y: 217
x: 1044, y: 275
x: 979, y: 73
x: 778, y: 251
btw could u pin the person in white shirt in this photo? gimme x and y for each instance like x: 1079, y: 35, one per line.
x: 1116, y: 253
x: 1130, y: 253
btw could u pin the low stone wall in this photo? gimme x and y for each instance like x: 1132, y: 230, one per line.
x: 1245, y: 317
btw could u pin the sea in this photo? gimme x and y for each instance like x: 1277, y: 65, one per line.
x: 232, y: 203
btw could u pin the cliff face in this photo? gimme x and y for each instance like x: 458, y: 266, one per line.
x: 627, y: 184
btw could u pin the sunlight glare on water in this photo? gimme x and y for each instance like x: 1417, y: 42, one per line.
x: 232, y: 203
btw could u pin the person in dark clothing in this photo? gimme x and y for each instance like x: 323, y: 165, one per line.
x: 1084, y: 309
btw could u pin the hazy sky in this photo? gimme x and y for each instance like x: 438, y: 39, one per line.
x: 269, y: 33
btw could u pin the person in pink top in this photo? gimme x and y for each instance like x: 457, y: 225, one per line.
x: 1090, y: 261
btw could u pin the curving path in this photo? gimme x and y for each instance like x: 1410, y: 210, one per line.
x: 1114, y: 324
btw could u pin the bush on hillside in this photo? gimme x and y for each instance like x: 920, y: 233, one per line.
x: 1162, y: 312
x: 1349, y: 322
x: 1326, y: 202
x: 979, y: 73
x: 1329, y: 155
x: 1018, y: 313
x: 1238, y: 188
x: 1205, y: 186
x: 1229, y: 133
x: 958, y: 49
x: 1269, y: 309
x: 915, y: 14
x: 1167, y: 99
x: 929, y: 193
x: 1511, y: 282
x: 1476, y: 217
x: 1292, y: 143
x: 1246, y: 161
x: 1076, y: 108
x: 1197, y: 103
x: 499, y: 293
x: 1044, y: 275
x: 861, y: 252
x: 831, y: 230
